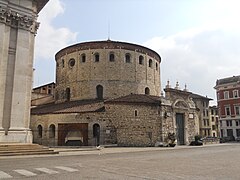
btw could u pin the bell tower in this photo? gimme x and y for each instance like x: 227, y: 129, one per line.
x: 18, y: 27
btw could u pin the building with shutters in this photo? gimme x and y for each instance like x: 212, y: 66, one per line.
x: 228, y: 99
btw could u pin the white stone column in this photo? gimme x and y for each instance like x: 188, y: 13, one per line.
x: 20, y: 107
x: 4, y: 48
x: 17, y: 31
x: 2, y: 72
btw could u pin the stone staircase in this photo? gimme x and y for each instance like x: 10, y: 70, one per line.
x: 18, y: 149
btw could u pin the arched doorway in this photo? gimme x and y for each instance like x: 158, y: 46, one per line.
x: 180, y: 128
x: 99, y: 92
x: 52, y: 131
x: 96, y: 134
x: 40, y: 130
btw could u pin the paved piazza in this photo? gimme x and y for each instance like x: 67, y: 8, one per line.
x: 207, y: 162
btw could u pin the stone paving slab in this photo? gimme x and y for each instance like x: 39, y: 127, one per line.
x: 70, y: 151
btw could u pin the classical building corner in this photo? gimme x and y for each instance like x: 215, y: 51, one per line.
x: 18, y: 27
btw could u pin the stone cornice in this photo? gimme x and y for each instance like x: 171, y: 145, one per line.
x: 40, y: 4
x: 108, y: 45
x: 16, y: 20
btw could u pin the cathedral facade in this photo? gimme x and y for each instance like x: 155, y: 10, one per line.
x: 109, y: 92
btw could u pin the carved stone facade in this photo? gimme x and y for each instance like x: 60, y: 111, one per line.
x: 18, y: 27
x: 18, y: 20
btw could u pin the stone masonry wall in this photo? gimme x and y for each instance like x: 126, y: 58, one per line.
x: 137, y: 125
x: 91, y: 118
x: 118, y: 78
x: 118, y: 125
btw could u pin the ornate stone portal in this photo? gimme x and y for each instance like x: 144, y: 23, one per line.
x: 18, y: 28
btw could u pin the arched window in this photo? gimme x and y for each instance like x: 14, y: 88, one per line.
x: 147, y: 91
x: 52, y: 131
x: 135, y: 113
x: 141, y: 60
x: 156, y: 66
x: 83, y: 58
x: 96, y: 133
x: 63, y: 63
x: 99, y: 92
x: 96, y: 57
x: 150, y: 63
x: 68, y: 94
x: 127, y: 58
x: 111, y: 57
x: 40, y: 129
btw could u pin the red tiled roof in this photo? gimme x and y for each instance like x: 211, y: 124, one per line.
x: 94, y: 105
x: 137, y: 98
x: 81, y: 106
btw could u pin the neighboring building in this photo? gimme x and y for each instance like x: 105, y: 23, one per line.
x: 18, y: 27
x: 213, y: 119
x: 45, y: 89
x: 229, y: 106
x: 202, y: 104
x: 108, y: 92
x: 43, y: 94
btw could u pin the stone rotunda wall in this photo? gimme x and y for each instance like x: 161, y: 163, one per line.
x: 106, y: 69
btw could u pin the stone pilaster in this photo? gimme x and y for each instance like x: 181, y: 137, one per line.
x: 18, y: 27
x: 4, y: 42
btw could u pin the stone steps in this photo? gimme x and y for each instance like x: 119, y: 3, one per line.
x: 14, y: 149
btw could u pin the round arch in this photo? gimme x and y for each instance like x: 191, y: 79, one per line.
x: 40, y: 130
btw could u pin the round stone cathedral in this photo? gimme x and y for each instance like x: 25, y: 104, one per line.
x: 109, y: 92
x: 106, y: 70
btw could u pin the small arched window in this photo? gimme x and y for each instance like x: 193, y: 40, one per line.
x: 141, y: 60
x: 40, y: 129
x: 135, y: 113
x: 68, y: 94
x: 156, y: 66
x: 63, y: 63
x: 147, y: 91
x: 52, y: 131
x: 83, y: 58
x: 99, y: 92
x: 111, y: 57
x: 150, y: 63
x: 127, y: 58
x: 96, y: 56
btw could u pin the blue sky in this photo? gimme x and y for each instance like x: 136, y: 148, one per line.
x: 198, y: 40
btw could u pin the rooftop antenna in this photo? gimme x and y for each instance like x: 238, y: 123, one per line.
x: 109, y: 30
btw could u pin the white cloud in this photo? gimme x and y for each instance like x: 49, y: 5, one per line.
x: 198, y: 57
x: 50, y: 39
